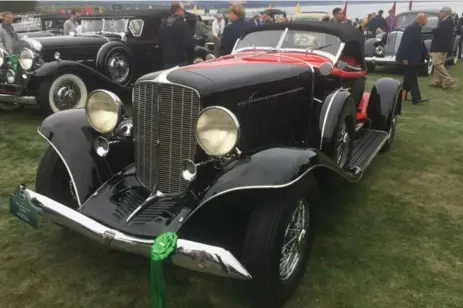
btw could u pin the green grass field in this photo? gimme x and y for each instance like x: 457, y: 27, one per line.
x: 394, y: 240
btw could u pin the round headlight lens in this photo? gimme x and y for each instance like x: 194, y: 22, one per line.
x: 26, y: 59
x: 104, y: 110
x: 217, y: 131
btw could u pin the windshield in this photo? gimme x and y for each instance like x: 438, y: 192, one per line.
x: 105, y: 25
x: 405, y: 20
x: 294, y: 39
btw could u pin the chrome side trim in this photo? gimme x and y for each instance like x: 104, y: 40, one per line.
x: 326, y: 116
x: 65, y: 164
x: 188, y: 254
x: 342, y: 174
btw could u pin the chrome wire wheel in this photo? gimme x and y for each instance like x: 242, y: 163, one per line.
x: 295, y: 240
x: 342, y: 145
x: 118, y: 67
x: 66, y: 95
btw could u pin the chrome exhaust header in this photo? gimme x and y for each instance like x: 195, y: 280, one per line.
x: 191, y: 255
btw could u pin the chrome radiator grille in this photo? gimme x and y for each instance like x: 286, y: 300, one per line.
x: 164, y: 117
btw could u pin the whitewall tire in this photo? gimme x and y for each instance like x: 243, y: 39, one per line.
x: 66, y: 91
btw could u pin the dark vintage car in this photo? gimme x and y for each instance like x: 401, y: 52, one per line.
x: 111, y: 52
x: 381, y: 51
x: 228, y: 153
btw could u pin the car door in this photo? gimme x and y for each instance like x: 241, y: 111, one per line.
x: 142, y: 40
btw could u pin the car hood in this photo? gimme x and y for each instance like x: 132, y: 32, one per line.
x: 231, y: 73
x: 57, y: 42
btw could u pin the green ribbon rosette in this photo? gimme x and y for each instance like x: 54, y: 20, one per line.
x: 162, y: 248
x: 14, y: 63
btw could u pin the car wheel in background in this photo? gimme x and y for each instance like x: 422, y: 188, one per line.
x: 117, y: 64
x: 277, y: 243
x: 64, y: 92
x: 428, y: 68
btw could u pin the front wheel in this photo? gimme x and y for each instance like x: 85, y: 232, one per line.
x: 341, y: 144
x: 64, y: 92
x: 53, y: 180
x: 277, y: 245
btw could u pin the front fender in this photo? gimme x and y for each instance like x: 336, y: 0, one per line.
x: 259, y: 176
x: 72, y: 137
x: 385, y: 94
x: 329, y: 115
x: 93, y: 79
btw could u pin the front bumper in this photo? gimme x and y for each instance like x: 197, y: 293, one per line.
x: 192, y: 255
x: 14, y: 99
x: 381, y: 61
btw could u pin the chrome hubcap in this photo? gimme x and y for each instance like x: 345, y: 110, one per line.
x: 118, y: 68
x: 343, y: 145
x: 294, y: 243
x: 66, y: 95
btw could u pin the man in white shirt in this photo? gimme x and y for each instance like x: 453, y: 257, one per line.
x: 71, y: 24
x: 218, y: 25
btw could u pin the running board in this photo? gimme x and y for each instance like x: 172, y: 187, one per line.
x: 367, y: 147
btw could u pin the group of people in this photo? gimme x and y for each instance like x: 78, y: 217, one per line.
x: 410, y: 53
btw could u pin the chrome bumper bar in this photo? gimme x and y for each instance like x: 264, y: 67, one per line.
x: 17, y: 99
x: 192, y: 255
x: 381, y: 60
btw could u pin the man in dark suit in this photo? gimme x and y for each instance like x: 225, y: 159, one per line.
x: 410, y: 54
x: 441, y: 46
x: 235, y: 30
x: 377, y: 22
x: 175, y: 38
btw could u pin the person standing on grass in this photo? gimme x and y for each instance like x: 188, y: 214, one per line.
x: 9, y: 39
x: 460, y: 32
x: 409, y: 55
x: 441, y: 45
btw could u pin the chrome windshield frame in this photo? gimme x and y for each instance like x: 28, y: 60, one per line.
x: 278, y: 48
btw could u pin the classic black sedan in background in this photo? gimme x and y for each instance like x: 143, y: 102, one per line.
x: 58, y: 72
x: 228, y: 153
x: 382, y: 51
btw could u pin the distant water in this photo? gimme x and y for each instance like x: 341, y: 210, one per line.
x: 361, y: 10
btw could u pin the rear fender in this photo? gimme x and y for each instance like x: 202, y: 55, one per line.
x: 330, y: 114
x: 385, y: 94
x: 262, y: 175
x: 93, y: 79
x: 72, y: 137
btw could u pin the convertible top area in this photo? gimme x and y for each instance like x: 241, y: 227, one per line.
x: 345, y: 32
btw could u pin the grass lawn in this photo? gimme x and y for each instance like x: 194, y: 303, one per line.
x: 394, y: 240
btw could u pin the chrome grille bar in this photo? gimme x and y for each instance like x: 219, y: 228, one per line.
x: 164, y: 118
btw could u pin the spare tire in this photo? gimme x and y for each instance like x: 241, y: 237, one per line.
x: 115, y: 60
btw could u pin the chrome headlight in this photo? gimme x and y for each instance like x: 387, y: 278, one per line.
x: 217, y: 131
x: 379, y: 50
x: 26, y: 58
x: 104, y: 110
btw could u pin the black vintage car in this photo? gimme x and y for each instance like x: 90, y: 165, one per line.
x: 228, y: 153
x: 111, y: 51
x: 381, y: 51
